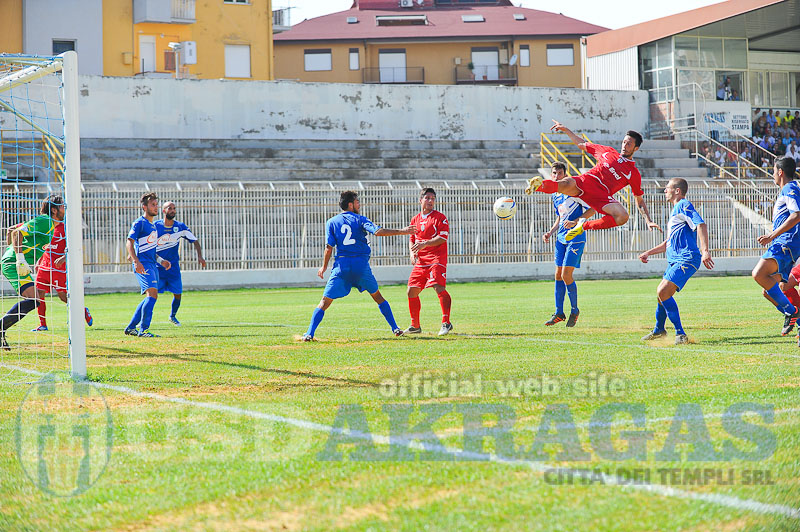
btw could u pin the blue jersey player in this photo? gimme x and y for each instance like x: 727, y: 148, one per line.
x: 141, y: 246
x: 347, y: 233
x: 783, y: 242
x: 170, y: 232
x: 683, y: 255
x: 569, y: 211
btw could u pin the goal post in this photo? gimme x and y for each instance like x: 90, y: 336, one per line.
x: 39, y: 156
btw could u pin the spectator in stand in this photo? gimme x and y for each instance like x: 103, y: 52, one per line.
x: 778, y: 119
x: 796, y: 120
x: 771, y: 119
x: 793, y: 152
x: 761, y: 122
x: 735, y: 96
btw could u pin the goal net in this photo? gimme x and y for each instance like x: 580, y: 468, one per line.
x: 39, y: 171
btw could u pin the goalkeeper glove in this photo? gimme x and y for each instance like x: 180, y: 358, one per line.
x: 23, y: 270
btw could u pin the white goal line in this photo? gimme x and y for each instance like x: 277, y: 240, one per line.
x: 611, y: 480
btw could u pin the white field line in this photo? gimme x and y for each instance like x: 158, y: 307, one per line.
x: 612, y: 480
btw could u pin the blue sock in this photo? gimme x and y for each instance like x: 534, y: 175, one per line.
x: 783, y: 303
x: 176, y: 304
x: 316, y: 319
x: 674, y: 316
x: 386, y: 310
x: 572, y: 292
x: 561, y: 290
x: 661, y: 317
x: 137, y: 315
x: 147, y: 312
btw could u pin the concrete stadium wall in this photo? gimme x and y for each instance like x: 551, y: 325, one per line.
x: 98, y: 283
x: 117, y: 107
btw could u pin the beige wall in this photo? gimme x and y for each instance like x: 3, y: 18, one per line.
x: 11, y: 26
x: 437, y: 58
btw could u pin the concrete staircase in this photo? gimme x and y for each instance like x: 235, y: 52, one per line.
x: 656, y: 159
x: 301, y: 160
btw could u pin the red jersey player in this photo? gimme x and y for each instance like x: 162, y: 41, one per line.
x: 428, y: 249
x: 51, y: 274
x: 596, y: 188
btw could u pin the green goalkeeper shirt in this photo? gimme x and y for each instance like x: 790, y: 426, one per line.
x: 36, y: 234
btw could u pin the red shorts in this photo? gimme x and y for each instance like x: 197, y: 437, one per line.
x: 48, y: 280
x: 594, y: 193
x: 426, y: 276
x: 796, y: 272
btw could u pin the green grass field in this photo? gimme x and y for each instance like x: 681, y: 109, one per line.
x: 222, y: 424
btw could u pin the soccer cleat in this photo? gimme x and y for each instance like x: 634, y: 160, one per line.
x: 88, y: 316
x: 40, y: 328
x: 413, y: 330
x: 575, y: 231
x: 132, y: 332
x: 533, y: 184
x: 3, y: 344
x: 173, y: 320
x: 555, y: 318
x: 653, y: 335
x: 681, y: 339
x: 446, y: 328
x: 398, y: 332
x: 573, y: 319
x: 308, y: 338
x: 788, y: 324
x: 147, y: 334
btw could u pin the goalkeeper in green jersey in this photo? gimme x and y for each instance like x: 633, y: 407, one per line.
x: 26, y: 244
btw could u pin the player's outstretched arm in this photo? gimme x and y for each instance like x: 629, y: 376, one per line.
x: 790, y: 222
x: 642, y: 206
x: 558, y: 126
x: 702, y: 233
x: 326, y: 258
x: 410, y: 230
x: 661, y: 248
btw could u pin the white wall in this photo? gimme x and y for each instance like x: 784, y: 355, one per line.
x: 614, y: 71
x: 78, y: 20
x: 167, y: 108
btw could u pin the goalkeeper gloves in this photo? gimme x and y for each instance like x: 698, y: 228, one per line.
x: 23, y: 270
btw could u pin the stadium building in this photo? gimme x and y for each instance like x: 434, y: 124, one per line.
x: 441, y: 42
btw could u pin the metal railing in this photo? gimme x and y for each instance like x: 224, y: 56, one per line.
x: 487, y: 74
x: 282, y: 225
x: 27, y: 155
x: 183, y: 11
x: 394, y: 75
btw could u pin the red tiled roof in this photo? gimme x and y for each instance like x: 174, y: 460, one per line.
x: 442, y: 23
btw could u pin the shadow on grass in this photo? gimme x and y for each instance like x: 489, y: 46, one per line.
x: 194, y: 357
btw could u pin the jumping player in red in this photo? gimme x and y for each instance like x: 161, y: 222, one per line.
x: 428, y: 249
x: 51, y: 274
x: 596, y: 188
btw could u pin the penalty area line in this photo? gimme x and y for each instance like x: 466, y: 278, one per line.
x: 608, y: 479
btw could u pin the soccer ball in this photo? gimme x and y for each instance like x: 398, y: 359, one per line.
x: 505, y: 208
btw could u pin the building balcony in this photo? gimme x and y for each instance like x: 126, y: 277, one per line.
x: 160, y: 11
x: 396, y: 75
x: 280, y: 20
x: 486, y: 75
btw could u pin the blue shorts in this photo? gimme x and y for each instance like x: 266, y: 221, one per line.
x: 170, y: 280
x: 149, y: 279
x: 679, y: 273
x: 569, y: 254
x: 783, y: 256
x: 348, y: 274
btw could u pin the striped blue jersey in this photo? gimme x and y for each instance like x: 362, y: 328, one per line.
x: 169, y: 238
x: 788, y: 202
x: 145, y: 237
x: 347, y: 232
x: 682, y: 233
x: 568, y: 209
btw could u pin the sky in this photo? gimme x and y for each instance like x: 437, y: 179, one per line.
x: 611, y: 14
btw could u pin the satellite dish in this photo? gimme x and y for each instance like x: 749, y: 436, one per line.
x: 513, y: 60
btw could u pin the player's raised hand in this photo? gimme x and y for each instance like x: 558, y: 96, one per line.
x: 557, y: 126
x: 410, y: 230
x: 708, y: 262
x: 653, y: 225
x: 644, y: 257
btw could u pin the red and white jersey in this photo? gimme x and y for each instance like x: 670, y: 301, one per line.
x: 55, y: 249
x: 430, y: 226
x: 613, y: 170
